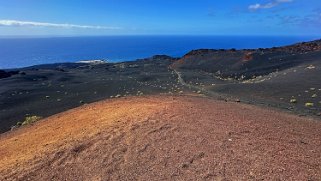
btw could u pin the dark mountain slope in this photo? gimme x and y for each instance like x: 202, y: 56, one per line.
x: 244, y: 64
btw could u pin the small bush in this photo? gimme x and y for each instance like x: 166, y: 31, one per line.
x: 309, y: 104
x: 30, y: 119
x: 19, y: 123
x: 293, y: 101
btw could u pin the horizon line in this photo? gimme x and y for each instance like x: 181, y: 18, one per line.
x: 124, y: 35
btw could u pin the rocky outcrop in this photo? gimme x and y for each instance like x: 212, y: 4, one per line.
x: 4, y: 74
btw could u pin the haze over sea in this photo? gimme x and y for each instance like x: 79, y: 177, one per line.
x: 22, y: 52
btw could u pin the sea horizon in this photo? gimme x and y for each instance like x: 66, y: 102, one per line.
x: 24, y: 51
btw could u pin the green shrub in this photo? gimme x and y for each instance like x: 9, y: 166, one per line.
x: 309, y: 104
x: 30, y: 119
x: 19, y: 123
x: 293, y: 101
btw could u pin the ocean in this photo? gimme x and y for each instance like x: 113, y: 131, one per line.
x: 22, y: 52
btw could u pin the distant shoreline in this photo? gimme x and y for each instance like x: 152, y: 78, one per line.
x: 24, y: 52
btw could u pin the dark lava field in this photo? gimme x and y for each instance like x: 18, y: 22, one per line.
x: 286, y: 78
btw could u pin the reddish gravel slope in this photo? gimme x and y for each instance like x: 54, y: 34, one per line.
x: 162, y: 137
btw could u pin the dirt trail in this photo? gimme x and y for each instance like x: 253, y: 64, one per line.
x: 164, y: 138
x: 182, y: 81
x: 202, y: 90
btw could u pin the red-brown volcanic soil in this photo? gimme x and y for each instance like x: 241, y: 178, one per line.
x: 164, y: 138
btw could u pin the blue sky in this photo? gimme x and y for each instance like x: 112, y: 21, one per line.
x: 160, y: 17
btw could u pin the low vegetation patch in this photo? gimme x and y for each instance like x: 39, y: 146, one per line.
x: 293, y: 101
x: 30, y: 119
x: 309, y: 104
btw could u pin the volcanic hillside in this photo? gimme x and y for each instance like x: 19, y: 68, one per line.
x: 248, y: 63
x: 281, y: 77
x: 164, y: 118
x: 284, y: 77
x: 164, y: 138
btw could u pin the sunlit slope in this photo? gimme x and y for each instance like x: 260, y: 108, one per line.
x: 164, y: 137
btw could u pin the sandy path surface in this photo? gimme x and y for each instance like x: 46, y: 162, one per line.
x: 164, y: 138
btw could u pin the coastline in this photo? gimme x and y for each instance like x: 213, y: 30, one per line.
x: 73, y: 49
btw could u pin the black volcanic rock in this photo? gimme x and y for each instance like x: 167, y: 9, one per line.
x: 161, y: 57
x: 247, y: 63
x: 4, y: 74
x: 200, y: 52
